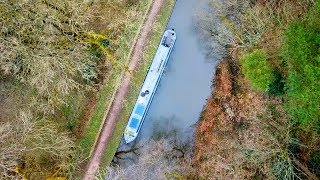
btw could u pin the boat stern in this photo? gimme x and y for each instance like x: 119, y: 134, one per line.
x: 129, y: 136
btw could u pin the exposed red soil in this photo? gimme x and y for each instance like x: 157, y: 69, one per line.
x: 115, y: 109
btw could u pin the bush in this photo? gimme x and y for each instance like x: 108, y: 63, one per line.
x: 257, y: 70
x: 277, y: 87
x: 300, y: 51
x: 315, y: 162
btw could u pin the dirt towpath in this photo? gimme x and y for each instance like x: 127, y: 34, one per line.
x: 115, y: 109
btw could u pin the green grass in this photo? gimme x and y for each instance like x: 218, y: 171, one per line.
x: 139, y: 76
x: 108, y: 89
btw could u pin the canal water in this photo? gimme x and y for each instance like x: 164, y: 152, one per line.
x: 186, y: 82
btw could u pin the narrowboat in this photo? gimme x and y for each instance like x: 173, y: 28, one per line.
x: 149, y: 86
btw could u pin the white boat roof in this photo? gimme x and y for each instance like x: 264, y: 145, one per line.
x: 149, y: 86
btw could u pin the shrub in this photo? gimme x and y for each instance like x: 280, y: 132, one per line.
x: 315, y: 162
x: 277, y: 87
x: 257, y: 70
x: 300, y: 51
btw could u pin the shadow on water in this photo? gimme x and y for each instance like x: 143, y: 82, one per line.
x: 127, y: 154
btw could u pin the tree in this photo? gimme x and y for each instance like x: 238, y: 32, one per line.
x: 257, y: 70
x: 11, y: 136
x: 300, y: 51
x: 48, y: 151
x: 34, y: 150
x: 42, y: 43
x: 53, y: 51
x: 157, y: 159
x: 237, y: 24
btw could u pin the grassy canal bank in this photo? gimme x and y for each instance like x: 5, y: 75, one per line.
x: 112, y: 81
x: 139, y: 75
x: 108, y: 90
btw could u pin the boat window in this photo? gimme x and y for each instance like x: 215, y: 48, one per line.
x: 134, y: 123
x: 139, y: 110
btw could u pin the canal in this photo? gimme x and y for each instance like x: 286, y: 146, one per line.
x: 186, y: 82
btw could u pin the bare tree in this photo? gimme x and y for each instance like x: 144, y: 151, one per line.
x: 236, y: 24
x: 42, y: 45
x: 50, y: 51
x: 159, y: 159
x: 49, y: 147
x: 12, y: 135
x: 34, y: 150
